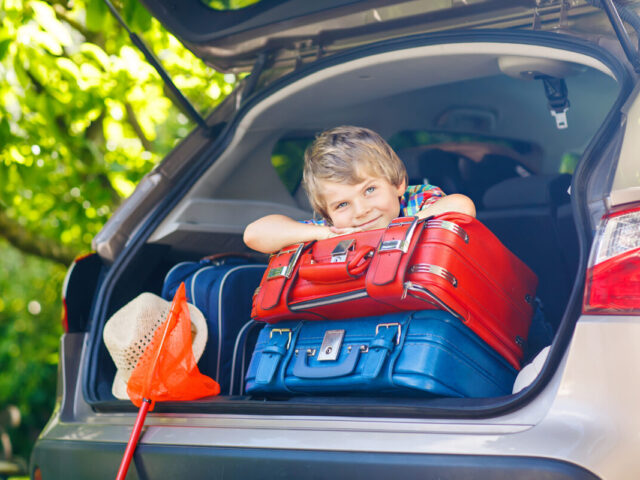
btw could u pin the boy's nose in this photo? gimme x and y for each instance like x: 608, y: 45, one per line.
x: 360, y: 209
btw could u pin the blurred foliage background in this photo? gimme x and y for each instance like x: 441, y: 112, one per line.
x: 83, y: 117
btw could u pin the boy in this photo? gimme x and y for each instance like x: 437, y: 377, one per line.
x: 356, y: 182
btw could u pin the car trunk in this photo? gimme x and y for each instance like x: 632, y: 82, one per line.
x: 474, y: 98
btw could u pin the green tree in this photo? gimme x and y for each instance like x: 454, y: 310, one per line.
x: 83, y: 117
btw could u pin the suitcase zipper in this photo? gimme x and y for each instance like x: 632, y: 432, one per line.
x: 329, y: 300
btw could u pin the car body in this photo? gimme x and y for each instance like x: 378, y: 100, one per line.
x: 472, y: 95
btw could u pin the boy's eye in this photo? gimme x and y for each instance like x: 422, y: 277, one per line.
x: 370, y: 189
x: 341, y: 205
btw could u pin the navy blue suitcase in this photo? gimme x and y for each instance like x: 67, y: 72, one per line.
x: 424, y: 352
x: 242, y: 353
x: 222, y: 289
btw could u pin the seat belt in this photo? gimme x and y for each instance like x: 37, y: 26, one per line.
x: 557, y: 95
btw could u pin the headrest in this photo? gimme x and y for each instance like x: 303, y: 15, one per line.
x: 530, y: 191
x: 438, y: 167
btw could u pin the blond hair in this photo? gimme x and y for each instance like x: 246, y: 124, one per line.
x: 343, y: 155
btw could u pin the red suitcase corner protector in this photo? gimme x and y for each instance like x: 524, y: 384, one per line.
x: 282, y: 266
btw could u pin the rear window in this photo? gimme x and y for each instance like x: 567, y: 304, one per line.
x: 287, y: 158
x: 458, y: 163
x: 414, y: 138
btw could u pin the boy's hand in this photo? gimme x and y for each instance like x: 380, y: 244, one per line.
x: 271, y: 233
x: 335, y: 231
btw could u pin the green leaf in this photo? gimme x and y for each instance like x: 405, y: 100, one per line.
x: 46, y: 17
x: 5, y: 130
x: 137, y: 17
x: 97, y: 15
x: 96, y: 54
x: 4, y: 47
x: 68, y: 67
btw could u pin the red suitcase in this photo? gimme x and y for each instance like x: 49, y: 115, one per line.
x: 450, y: 262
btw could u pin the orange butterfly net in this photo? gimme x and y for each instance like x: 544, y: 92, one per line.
x: 167, y: 369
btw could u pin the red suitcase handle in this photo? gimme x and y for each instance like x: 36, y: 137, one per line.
x: 339, y: 271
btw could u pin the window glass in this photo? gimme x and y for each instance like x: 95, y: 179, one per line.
x: 569, y: 162
x: 455, y: 162
x: 463, y: 163
x: 415, y: 138
x: 288, y: 159
x: 229, y: 4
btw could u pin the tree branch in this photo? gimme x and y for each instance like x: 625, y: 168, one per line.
x: 133, y: 121
x: 30, y: 243
x: 95, y: 134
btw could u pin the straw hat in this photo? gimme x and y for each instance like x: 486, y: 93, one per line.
x: 128, y: 332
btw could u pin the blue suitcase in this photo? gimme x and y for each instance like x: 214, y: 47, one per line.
x: 222, y: 289
x: 425, y: 352
x: 242, y: 353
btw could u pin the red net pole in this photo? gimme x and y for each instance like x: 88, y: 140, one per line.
x: 133, y: 439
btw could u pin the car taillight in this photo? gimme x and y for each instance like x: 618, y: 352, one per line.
x: 64, y: 316
x: 65, y: 311
x: 37, y: 474
x: 65, y: 290
x: 613, y: 275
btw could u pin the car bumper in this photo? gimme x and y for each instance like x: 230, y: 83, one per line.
x: 583, y: 424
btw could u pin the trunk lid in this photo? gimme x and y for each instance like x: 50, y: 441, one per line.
x: 291, y: 32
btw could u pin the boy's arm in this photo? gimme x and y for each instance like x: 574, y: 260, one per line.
x: 455, y: 202
x: 273, y: 232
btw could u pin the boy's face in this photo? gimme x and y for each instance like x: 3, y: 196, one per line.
x: 371, y: 204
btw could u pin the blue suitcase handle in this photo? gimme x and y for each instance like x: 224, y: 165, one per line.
x: 301, y: 369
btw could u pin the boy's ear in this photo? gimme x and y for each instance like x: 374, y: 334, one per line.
x: 401, y: 188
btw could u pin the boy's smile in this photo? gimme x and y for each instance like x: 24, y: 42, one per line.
x: 367, y: 205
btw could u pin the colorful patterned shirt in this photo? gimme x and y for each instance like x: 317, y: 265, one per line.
x: 419, y: 197
x: 414, y: 199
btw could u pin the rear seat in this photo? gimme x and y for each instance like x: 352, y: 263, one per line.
x: 434, y: 166
x: 532, y: 217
